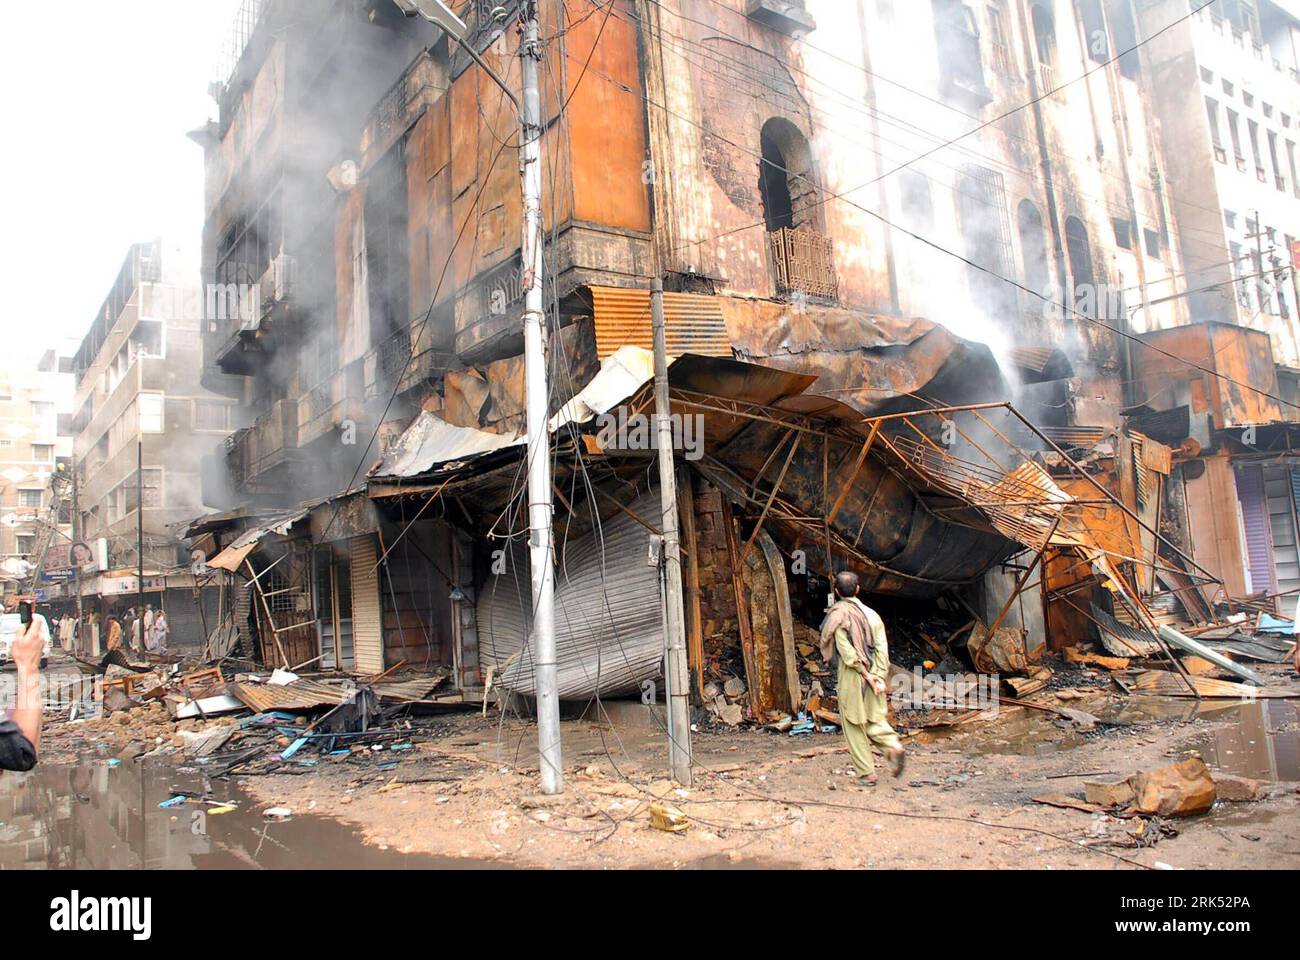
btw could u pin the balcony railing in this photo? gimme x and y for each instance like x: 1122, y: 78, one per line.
x: 804, y: 263
x: 402, y: 105
x: 404, y: 361
x: 268, y: 443
x: 330, y: 403
x: 395, y: 355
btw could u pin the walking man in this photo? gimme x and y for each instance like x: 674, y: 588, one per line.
x: 855, y: 634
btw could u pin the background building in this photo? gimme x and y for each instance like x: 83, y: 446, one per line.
x: 142, y: 417
x: 34, y: 443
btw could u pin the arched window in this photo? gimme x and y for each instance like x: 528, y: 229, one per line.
x: 1044, y: 34
x: 1033, y: 244
x: 775, y: 186
x: 803, y: 258
x: 1094, y: 29
x: 1080, y: 254
x: 786, y: 177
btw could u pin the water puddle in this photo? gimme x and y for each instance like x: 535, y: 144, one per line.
x: 1263, y: 743
x: 1259, y: 739
x: 94, y: 816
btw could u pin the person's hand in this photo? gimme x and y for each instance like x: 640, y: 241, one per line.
x: 27, y: 648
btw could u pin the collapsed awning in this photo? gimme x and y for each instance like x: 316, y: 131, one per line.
x: 233, y: 555
x: 432, y: 444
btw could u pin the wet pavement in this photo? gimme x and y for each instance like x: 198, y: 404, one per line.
x: 1258, y: 739
x: 96, y: 816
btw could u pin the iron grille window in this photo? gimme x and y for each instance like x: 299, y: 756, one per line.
x: 986, y: 229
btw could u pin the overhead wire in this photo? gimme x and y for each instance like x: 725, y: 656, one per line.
x: 937, y: 101
x: 843, y: 198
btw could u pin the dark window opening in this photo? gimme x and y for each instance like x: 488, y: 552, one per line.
x: 918, y: 204
x: 1080, y: 255
x: 250, y: 243
x: 786, y: 179
x: 961, y: 63
x: 1153, y: 243
x: 1123, y: 233
x: 1123, y: 31
x: 387, y: 255
x: 1033, y: 243
x: 1044, y: 34
x: 1094, y: 30
x: 778, y: 208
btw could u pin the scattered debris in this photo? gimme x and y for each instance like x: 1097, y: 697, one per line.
x: 1109, y: 796
x: 1235, y: 789
x: 1074, y: 655
x: 1173, y: 637
x: 668, y: 818
x: 1169, y: 684
x: 1003, y: 653
x: 1067, y: 802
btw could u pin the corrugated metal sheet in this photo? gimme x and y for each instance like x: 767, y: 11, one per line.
x: 1167, y: 426
x: 1259, y: 536
x: 693, y: 323
x: 299, y: 695
x: 608, y: 628
x: 234, y: 554
x: 1137, y: 641
x: 430, y: 441
x: 367, y: 635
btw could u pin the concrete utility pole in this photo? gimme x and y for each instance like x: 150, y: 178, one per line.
x: 540, y: 503
x: 675, y: 667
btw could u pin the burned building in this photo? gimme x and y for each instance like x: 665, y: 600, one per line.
x: 906, y: 313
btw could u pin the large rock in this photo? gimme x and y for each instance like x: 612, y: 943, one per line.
x: 1182, y: 790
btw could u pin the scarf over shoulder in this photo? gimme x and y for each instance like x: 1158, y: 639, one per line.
x: 849, y: 615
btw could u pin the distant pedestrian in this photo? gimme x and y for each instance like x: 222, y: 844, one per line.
x: 163, y: 630
x: 159, y: 632
x: 855, y: 634
x: 114, y: 634
x: 137, y: 644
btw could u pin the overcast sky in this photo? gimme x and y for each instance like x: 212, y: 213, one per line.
x: 96, y: 97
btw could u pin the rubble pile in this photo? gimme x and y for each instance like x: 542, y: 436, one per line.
x: 249, y: 723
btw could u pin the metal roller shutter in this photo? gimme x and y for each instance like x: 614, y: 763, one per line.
x: 1259, y: 536
x: 367, y: 634
x: 608, y: 620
